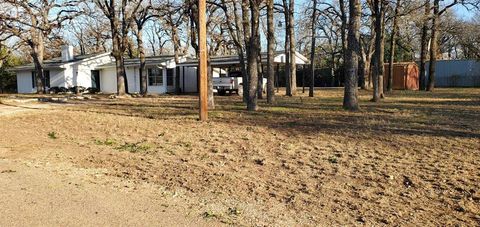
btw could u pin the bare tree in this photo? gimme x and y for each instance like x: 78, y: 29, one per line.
x: 121, y: 17
x: 173, y: 14
x: 253, y: 52
x: 288, y: 76
x: 350, y: 100
x: 34, y: 23
x: 435, y: 18
x: 313, y: 48
x: 290, y: 63
x: 293, y: 61
x: 143, y: 15
x: 393, y: 37
x: 424, y: 45
x: 378, y: 57
x: 270, y: 54
x: 437, y: 12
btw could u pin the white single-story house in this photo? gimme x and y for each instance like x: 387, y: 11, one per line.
x: 99, y: 71
x: 67, y: 71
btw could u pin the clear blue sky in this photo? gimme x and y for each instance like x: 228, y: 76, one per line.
x: 459, y: 10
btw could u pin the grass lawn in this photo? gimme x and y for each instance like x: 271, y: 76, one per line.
x: 413, y: 159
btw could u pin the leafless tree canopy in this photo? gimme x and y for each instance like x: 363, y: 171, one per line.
x: 378, y: 30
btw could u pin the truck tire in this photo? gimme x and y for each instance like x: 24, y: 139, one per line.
x: 222, y: 92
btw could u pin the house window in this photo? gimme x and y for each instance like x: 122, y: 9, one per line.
x: 155, y: 77
x: 170, y: 77
x: 46, y: 75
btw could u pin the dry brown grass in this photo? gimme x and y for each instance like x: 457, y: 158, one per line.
x: 413, y: 159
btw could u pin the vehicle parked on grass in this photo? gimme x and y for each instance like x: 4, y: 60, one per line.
x: 233, y: 83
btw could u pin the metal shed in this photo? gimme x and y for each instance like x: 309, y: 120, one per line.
x: 456, y: 73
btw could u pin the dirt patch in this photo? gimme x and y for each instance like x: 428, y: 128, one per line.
x: 36, y: 193
x: 14, y: 106
x: 413, y: 158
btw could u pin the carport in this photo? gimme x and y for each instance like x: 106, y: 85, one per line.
x: 223, y: 66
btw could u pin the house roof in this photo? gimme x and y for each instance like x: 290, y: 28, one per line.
x: 235, y: 59
x: 150, y: 61
x: 57, y: 63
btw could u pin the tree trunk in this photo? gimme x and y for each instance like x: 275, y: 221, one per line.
x: 379, y: 8
x: 247, y: 34
x: 287, y: 71
x: 424, y: 46
x: 118, y: 49
x: 37, y: 55
x: 293, y: 62
x: 343, y: 33
x: 270, y: 53
x: 391, y: 60
x: 120, y: 67
x: 361, y: 72
x: 312, y: 50
x: 244, y: 70
x: 260, y: 76
x: 433, y: 47
x: 393, y: 38
x: 211, y: 98
x: 332, y: 70
x: 350, y: 99
x: 277, y: 75
x: 254, y: 52
x: 176, y: 49
x: 303, y: 79
x: 142, y: 70
x: 362, y: 63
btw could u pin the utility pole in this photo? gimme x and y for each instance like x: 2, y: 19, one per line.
x: 312, y: 52
x: 202, y: 63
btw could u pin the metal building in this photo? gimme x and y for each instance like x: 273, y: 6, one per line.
x: 456, y: 73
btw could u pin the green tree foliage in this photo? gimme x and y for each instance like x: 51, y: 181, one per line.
x: 8, y: 82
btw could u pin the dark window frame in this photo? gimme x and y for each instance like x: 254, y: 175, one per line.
x: 155, y: 77
x: 46, y: 75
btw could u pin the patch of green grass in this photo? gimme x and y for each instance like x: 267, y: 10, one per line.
x: 106, y: 142
x: 279, y: 109
x: 333, y: 159
x: 134, y: 147
x: 52, y: 135
x: 234, y: 211
x: 209, y: 214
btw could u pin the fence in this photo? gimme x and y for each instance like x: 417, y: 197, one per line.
x: 457, y: 73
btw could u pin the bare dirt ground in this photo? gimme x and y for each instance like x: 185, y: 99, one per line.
x: 413, y: 159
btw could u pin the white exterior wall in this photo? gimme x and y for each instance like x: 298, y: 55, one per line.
x: 72, y: 74
x: 56, y: 78
x: 24, y: 82
x: 108, y: 80
x: 82, y: 72
x: 133, y: 77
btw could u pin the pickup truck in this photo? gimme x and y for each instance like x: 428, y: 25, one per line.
x: 233, y: 83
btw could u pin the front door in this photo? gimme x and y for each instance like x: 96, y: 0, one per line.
x: 95, y: 79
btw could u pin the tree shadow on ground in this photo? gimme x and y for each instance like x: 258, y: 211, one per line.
x: 436, y: 114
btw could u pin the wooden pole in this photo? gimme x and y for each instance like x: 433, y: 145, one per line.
x: 202, y: 66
